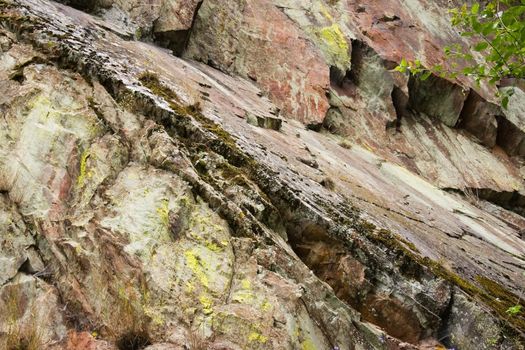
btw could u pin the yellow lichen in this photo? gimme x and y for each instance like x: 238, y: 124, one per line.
x: 164, y: 211
x: 154, y: 315
x: 308, y: 345
x: 246, y: 284
x: 325, y: 12
x: 214, y: 247
x: 335, y: 42
x: 84, y: 173
x: 243, y: 297
x: 255, y: 336
x: 202, y: 222
x: 197, y: 267
x: 206, y: 303
x: 189, y: 287
x: 265, y: 306
x: 297, y: 331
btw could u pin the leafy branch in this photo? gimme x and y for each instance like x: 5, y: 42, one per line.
x: 497, y: 32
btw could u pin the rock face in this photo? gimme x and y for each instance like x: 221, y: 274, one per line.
x: 154, y: 202
x: 297, y: 86
x: 168, y: 21
x: 437, y: 98
x: 512, y: 135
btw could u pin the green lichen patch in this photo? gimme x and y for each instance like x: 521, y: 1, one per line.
x: 392, y: 238
x: 152, y: 82
x: 224, y: 142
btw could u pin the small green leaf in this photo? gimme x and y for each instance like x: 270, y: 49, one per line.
x: 400, y: 69
x: 475, y: 9
x: 514, y: 310
x: 481, y: 46
x: 467, y: 70
x: 488, y: 28
x: 476, y: 25
x: 505, y: 104
x: 426, y: 75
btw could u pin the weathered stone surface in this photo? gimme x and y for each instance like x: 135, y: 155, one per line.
x: 512, y: 132
x: 86, y: 341
x: 168, y: 219
x: 166, y: 20
x: 447, y: 157
x: 133, y: 238
x: 16, y: 248
x: 479, y: 118
x: 377, y: 28
x: 483, y: 331
x: 330, y: 26
x: 267, y: 53
x: 30, y: 314
x: 437, y: 97
x: 264, y: 122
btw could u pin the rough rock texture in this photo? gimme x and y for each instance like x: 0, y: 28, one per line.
x: 297, y: 86
x: 512, y: 134
x: 142, y: 207
x: 437, y: 97
x: 364, y: 100
x: 168, y: 21
x: 479, y: 117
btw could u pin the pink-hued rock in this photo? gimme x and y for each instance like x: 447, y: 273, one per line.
x: 329, y: 27
x: 273, y: 52
x: 86, y: 341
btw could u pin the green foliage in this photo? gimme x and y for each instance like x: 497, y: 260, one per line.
x: 497, y: 32
x: 514, y: 310
x: 414, y: 67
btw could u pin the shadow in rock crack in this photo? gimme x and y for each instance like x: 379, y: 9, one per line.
x: 513, y: 201
x: 176, y: 40
x: 83, y: 5
x: 510, y: 138
x: 133, y: 341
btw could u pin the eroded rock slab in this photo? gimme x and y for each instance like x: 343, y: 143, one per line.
x: 272, y: 52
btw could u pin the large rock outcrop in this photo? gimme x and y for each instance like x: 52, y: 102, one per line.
x: 153, y: 202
